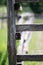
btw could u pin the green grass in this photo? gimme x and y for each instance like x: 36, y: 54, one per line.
x: 3, y: 9
x: 38, y: 21
x: 33, y: 63
x: 3, y: 39
x: 3, y: 46
x: 17, y: 43
x: 32, y: 42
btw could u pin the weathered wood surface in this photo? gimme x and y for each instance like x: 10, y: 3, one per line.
x: 30, y: 27
x: 30, y: 57
x: 11, y: 33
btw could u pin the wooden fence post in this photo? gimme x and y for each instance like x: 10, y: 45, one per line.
x: 11, y: 33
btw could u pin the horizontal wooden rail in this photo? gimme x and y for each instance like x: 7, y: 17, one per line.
x: 29, y: 27
x: 29, y: 0
x: 30, y: 57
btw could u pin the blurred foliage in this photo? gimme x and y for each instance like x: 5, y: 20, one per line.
x: 36, y: 7
x: 3, y: 2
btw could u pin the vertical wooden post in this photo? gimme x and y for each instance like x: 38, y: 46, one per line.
x: 11, y: 33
